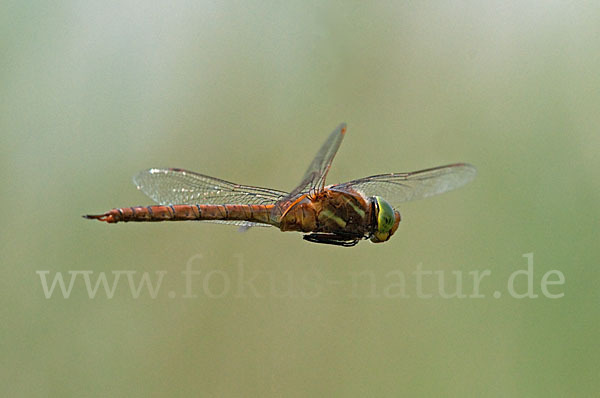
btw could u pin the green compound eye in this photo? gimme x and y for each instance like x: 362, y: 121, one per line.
x: 386, y: 220
x: 385, y: 216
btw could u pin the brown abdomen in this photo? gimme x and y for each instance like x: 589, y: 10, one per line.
x: 251, y: 213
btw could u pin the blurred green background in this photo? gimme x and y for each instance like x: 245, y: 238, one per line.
x: 93, y: 92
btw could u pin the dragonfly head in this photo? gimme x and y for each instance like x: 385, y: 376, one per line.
x: 387, y: 220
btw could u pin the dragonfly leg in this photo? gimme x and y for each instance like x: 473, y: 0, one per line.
x: 332, y: 239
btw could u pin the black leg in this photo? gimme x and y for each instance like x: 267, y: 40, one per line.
x: 332, y: 239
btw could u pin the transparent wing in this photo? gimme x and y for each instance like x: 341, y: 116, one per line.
x: 177, y: 186
x: 402, y: 187
x: 244, y: 225
x: 314, y: 178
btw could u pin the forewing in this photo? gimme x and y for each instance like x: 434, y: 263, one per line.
x: 177, y: 186
x: 314, y: 177
x: 402, y: 187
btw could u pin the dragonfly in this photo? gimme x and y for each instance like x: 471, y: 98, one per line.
x: 341, y: 214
